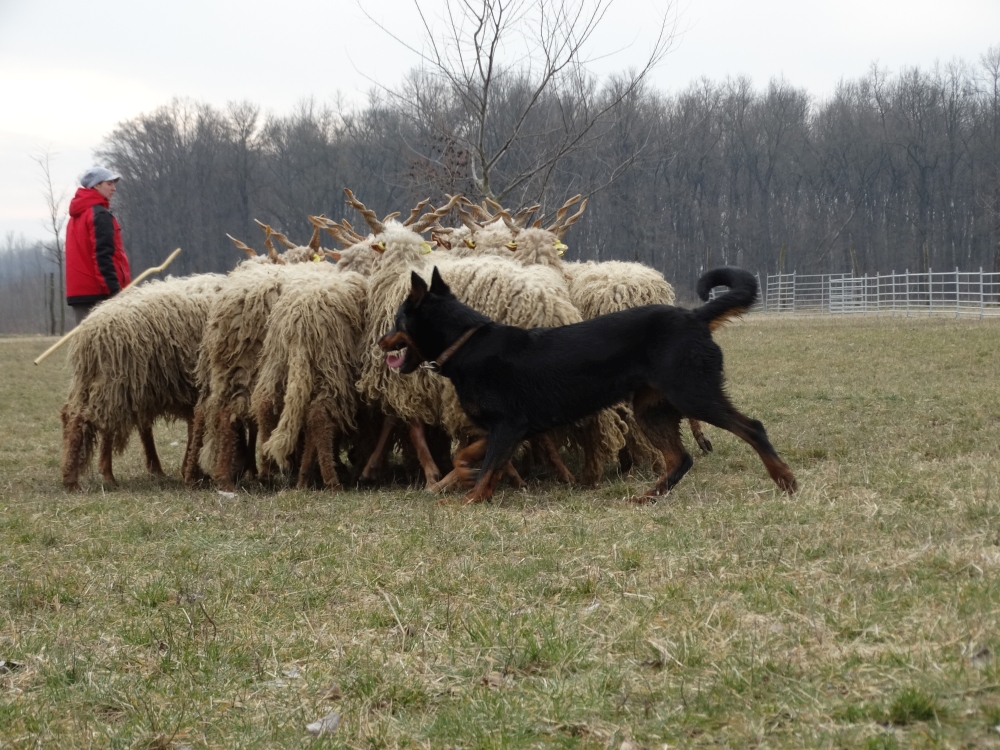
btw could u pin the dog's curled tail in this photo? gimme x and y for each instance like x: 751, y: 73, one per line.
x: 738, y: 300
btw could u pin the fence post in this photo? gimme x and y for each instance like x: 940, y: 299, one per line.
x: 907, y: 292
x: 958, y: 306
x: 930, y: 292
x: 982, y: 301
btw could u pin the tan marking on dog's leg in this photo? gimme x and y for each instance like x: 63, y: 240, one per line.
x: 463, y: 472
x: 699, y: 436
x: 484, y: 487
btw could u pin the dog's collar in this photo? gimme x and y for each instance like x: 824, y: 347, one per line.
x: 438, y: 363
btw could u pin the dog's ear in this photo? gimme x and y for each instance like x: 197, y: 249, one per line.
x: 418, y: 289
x: 437, y: 284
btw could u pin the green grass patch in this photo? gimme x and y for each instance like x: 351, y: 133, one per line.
x: 861, y: 612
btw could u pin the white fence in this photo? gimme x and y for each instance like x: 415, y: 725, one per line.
x: 956, y: 293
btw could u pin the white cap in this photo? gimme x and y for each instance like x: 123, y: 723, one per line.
x: 95, y: 175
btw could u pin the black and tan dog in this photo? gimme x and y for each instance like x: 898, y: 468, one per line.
x: 515, y: 383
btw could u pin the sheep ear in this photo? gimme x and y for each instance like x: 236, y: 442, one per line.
x: 437, y: 284
x: 418, y: 289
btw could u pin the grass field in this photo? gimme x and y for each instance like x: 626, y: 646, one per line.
x: 861, y: 612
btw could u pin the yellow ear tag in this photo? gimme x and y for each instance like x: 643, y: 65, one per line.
x: 561, y: 248
x: 425, y: 248
x: 316, y: 259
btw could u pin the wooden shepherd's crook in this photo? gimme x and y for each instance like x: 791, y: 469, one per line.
x: 136, y: 280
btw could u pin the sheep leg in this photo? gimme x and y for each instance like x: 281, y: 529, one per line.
x: 308, y: 456
x: 699, y: 436
x: 625, y: 461
x: 551, y: 453
x: 246, y: 448
x: 226, y: 445
x: 268, y: 421
x: 190, y: 470
x: 463, y: 472
x: 104, y: 458
x: 419, y: 439
x: 72, y: 457
x: 378, y: 455
x: 149, y: 449
x: 515, y: 479
x: 321, y: 425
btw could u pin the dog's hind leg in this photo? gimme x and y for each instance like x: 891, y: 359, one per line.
x: 660, y: 423
x: 699, y: 436
x: 431, y: 472
x: 718, y: 411
x: 149, y: 449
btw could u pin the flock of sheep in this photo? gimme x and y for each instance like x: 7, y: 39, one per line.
x: 275, y: 366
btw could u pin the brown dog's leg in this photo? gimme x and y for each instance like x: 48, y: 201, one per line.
x: 375, y: 460
x: 552, y: 457
x: 484, y: 487
x: 432, y: 474
x: 515, y: 479
x: 104, y: 458
x: 752, y: 431
x: 149, y: 449
x: 190, y: 469
x: 699, y: 436
x: 463, y: 472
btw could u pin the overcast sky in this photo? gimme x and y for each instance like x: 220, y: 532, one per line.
x: 69, y: 71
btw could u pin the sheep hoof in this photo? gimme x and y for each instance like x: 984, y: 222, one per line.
x: 73, y: 487
x: 706, y: 445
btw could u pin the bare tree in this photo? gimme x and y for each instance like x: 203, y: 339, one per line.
x: 515, y: 83
x: 55, y: 222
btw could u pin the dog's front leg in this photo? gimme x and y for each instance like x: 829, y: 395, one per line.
x: 500, y: 447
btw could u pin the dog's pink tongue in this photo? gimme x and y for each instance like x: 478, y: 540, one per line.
x: 395, y: 361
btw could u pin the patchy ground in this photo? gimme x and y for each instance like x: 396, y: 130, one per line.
x: 861, y: 612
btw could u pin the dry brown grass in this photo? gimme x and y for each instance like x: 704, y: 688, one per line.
x: 861, y: 612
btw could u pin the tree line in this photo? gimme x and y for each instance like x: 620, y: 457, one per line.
x: 889, y: 172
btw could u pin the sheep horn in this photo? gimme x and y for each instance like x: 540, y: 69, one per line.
x: 273, y: 255
x: 522, y: 216
x: 561, y: 231
x: 430, y: 217
x: 251, y: 253
x: 319, y: 223
x: 467, y: 219
x: 333, y: 255
x: 415, y: 212
x: 440, y: 241
x: 283, y: 240
x: 377, y: 226
x: 561, y: 213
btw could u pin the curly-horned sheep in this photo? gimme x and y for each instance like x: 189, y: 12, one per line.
x: 133, y: 361
x: 305, y: 386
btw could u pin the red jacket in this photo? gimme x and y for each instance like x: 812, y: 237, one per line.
x: 96, y: 265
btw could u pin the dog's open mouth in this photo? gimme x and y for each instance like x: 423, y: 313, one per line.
x: 396, y: 359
